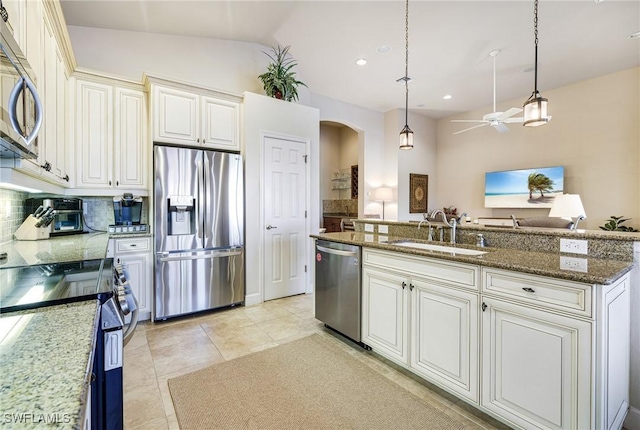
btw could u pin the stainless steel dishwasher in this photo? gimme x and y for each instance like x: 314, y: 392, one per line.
x: 338, y: 292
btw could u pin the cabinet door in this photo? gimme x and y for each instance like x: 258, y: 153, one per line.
x: 138, y: 268
x: 176, y: 116
x: 60, y: 168
x: 385, y: 313
x: 220, y: 124
x: 536, y: 367
x: 444, y: 336
x: 130, y: 139
x: 94, y: 140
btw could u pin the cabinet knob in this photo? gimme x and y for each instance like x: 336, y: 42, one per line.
x: 404, y: 284
x: 204, y: 141
x: 109, y: 183
x: 411, y: 287
x: 117, y: 183
x: 198, y: 140
x: 529, y: 290
x: 484, y: 306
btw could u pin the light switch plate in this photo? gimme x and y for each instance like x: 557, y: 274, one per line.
x: 574, y: 264
x: 368, y: 227
x: 383, y: 229
x: 574, y: 246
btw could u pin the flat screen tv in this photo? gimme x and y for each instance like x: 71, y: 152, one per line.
x: 524, y: 188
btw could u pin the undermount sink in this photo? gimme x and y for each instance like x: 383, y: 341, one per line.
x: 439, y: 248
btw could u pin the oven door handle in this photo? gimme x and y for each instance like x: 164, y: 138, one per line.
x: 131, y: 327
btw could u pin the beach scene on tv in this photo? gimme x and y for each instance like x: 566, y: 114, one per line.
x: 524, y: 188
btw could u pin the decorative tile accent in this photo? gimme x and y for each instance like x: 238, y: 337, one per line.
x: 11, y: 213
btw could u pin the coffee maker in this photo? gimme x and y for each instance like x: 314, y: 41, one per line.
x: 127, y: 212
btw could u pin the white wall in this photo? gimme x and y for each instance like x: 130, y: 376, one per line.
x: 262, y: 114
x: 422, y: 159
x: 329, y: 160
x: 594, y: 134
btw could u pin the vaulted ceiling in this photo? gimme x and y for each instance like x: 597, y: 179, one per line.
x: 449, y: 42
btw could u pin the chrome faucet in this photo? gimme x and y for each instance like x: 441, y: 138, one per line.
x: 451, y: 225
x: 430, y: 237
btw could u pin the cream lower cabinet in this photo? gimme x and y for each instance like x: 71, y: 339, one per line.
x: 555, y: 354
x: 135, y: 255
x: 418, y: 313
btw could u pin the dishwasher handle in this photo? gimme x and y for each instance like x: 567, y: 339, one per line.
x: 337, y: 251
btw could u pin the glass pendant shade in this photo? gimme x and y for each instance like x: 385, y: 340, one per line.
x: 406, y: 138
x: 535, y: 111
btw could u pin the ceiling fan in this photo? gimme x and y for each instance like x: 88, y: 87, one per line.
x: 497, y: 120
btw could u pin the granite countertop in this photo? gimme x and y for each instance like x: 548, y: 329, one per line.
x: 599, y: 271
x: 61, y: 249
x: 46, y: 357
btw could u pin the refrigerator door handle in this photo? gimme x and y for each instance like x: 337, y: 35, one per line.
x: 206, y: 201
x: 217, y: 254
x: 201, y: 193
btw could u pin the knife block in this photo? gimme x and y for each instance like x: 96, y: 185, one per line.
x: 29, y: 231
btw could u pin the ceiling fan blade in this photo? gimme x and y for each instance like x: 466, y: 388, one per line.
x: 500, y: 127
x: 468, y: 120
x: 512, y: 120
x: 509, y: 113
x: 471, y: 128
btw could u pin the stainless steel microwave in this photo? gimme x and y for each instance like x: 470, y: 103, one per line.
x: 21, y: 113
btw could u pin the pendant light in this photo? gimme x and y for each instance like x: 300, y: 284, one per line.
x: 535, y: 108
x: 406, y: 135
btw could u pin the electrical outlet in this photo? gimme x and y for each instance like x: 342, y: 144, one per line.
x: 383, y: 229
x: 574, y: 246
x: 573, y: 263
x: 368, y: 228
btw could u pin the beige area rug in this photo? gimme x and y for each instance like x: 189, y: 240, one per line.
x: 305, y: 384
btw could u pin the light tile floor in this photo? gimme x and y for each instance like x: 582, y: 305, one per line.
x: 164, y: 350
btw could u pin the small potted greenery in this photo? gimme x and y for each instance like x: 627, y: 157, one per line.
x: 613, y: 224
x: 279, y: 80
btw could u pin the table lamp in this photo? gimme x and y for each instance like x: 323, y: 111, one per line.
x: 383, y: 194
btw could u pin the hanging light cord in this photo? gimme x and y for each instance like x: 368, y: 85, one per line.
x: 406, y: 65
x: 535, y: 32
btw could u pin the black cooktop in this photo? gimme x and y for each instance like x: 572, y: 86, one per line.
x: 40, y: 285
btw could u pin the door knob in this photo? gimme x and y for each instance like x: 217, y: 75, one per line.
x: 269, y: 227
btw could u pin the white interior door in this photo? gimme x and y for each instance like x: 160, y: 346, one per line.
x: 285, y: 184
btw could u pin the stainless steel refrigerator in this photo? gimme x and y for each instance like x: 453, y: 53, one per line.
x: 199, y: 230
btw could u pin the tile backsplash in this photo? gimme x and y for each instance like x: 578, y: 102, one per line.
x: 99, y: 213
x: 340, y: 206
x: 11, y: 212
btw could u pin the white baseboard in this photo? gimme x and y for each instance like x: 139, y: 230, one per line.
x: 252, y: 299
x: 632, y: 422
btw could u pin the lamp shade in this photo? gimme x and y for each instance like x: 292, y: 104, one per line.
x: 567, y: 206
x: 383, y: 194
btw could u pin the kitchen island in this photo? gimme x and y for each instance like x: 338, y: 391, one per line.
x: 536, y: 339
x: 45, y: 365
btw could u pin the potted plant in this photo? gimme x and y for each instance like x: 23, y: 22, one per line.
x: 613, y: 224
x: 279, y: 80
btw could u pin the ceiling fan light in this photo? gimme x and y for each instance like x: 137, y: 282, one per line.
x: 406, y: 138
x: 535, y: 111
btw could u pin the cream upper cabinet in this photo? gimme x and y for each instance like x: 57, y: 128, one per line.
x: 94, y: 135
x: 111, y: 144
x: 131, y: 144
x: 176, y: 116
x: 53, y: 88
x: 220, y: 123
x: 195, y: 119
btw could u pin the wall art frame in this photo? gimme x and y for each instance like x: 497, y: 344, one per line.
x: 418, y: 193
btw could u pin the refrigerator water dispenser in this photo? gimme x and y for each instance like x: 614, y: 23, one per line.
x: 181, y: 215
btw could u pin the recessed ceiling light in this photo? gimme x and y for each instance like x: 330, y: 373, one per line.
x: 635, y: 35
x: 383, y: 49
x: 447, y: 97
x: 361, y: 61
